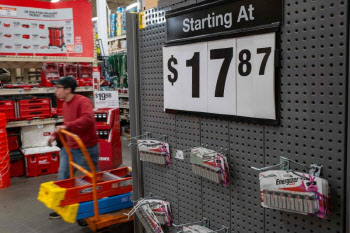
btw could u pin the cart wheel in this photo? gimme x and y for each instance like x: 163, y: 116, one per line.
x: 82, y: 223
x: 102, y: 230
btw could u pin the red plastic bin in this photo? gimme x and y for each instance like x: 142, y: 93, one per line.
x: 8, y: 107
x: 70, y: 70
x: 50, y: 71
x: 38, y: 164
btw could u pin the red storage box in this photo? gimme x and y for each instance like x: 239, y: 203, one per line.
x: 84, y: 70
x: 33, y: 101
x: 41, y: 160
x: 70, y: 70
x: 12, y: 140
x: 8, y: 107
x: 34, y: 108
x: 82, y: 82
x: 49, y: 72
x: 16, y: 164
x: 30, y: 114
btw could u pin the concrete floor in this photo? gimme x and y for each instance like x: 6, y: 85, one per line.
x: 21, y: 212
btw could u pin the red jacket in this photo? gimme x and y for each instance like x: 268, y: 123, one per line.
x: 79, y: 118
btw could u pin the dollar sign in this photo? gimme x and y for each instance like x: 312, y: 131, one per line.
x: 172, y: 69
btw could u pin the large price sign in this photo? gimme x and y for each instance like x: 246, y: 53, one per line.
x: 230, y: 77
x: 106, y: 99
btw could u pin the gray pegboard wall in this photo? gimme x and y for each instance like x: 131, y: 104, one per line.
x: 312, y: 129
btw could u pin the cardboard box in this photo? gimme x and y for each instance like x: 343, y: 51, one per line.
x: 150, y: 4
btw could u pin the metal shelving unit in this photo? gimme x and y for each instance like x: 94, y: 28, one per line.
x: 39, y: 90
x: 36, y: 62
x: 13, y: 124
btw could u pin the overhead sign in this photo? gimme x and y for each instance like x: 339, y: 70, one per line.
x: 37, y: 28
x: 222, y: 18
x: 229, y: 77
x: 106, y: 99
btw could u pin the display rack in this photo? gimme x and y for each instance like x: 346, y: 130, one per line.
x: 312, y: 118
x: 115, y: 44
x: 40, y: 90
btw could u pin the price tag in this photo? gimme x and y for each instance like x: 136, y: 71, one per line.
x: 185, y: 87
x: 231, y: 77
x: 221, y: 85
x: 179, y: 154
x: 255, y: 76
x: 106, y: 99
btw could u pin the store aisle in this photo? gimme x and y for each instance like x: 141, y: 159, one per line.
x: 20, y: 211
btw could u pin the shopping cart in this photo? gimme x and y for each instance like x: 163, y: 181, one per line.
x: 98, y: 222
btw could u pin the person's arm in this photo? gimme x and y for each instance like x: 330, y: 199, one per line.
x: 54, y: 135
x: 85, y: 120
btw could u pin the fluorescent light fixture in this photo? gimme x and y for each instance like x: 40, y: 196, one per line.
x: 94, y: 18
x: 54, y: 1
x: 136, y: 4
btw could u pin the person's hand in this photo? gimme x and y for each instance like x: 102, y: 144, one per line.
x: 50, y: 141
x: 58, y: 128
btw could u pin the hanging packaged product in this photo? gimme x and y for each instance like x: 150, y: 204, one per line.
x: 295, y: 192
x: 196, y: 228
x: 154, y: 151
x: 210, y: 164
x: 153, y: 213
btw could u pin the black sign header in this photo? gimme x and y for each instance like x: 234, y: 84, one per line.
x: 220, y: 18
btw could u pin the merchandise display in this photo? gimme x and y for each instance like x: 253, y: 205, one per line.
x: 175, y: 116
x: 295, y: 192
x: 153, y: 213
x: 154, y: 151
x: 210, y: 164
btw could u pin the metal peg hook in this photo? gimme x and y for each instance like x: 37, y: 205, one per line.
x: 282, y: 164
x: 224, y: 229
x: 205, y: 221
x: 137, y: 137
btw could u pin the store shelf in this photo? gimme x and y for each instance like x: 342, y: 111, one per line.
x: 36, y: 62
x: 117, y: 51
x: 40, y: 90
x: 117, y: 38
x: 13, y: 124
x: 124, y: 106
x: 123, y: 95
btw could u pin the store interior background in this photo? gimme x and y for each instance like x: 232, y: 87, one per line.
x: 22, y: 212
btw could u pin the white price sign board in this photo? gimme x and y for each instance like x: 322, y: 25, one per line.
x: 106, y: 99
x: 229, y: 77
